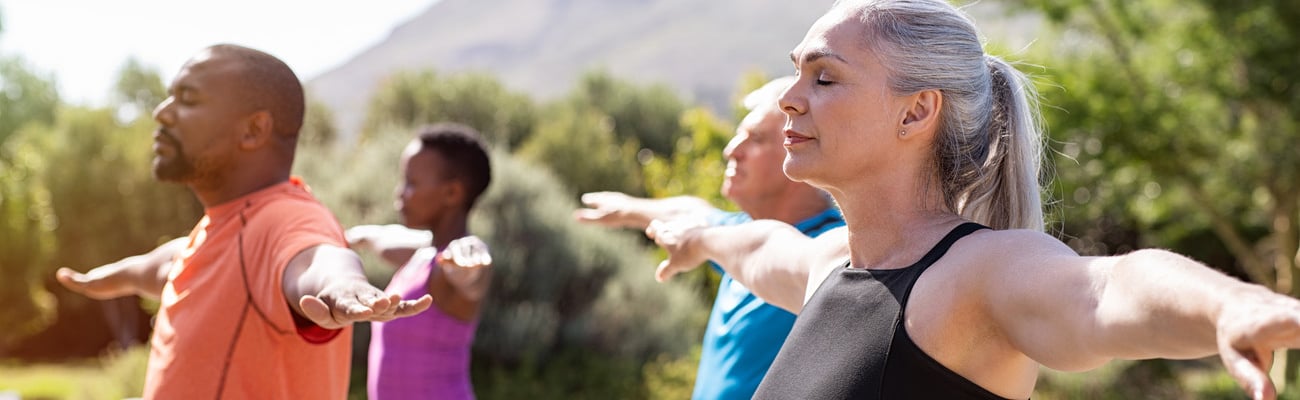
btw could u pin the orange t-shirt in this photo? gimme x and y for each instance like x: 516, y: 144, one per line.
x: 224, y: 328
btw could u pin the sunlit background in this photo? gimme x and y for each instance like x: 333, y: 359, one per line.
x: 1172, y: 124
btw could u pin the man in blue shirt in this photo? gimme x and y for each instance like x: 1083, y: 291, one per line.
x: 744, y: 332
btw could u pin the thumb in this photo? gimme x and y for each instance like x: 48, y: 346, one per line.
x: 665, y: 271
x: 71, y: 279
x: 317, y: 311
x: 1249, y: 372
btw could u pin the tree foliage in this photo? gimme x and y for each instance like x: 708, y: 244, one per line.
x: 579, y: 145
x: 318, y: 128
x: 1177, y: 119
x: 25, y: 96
x: 648, y: 114
x: 562, y: 292
x: 139, y: 87
x: 1174, y: 111
x: 414, y: 98
x: 92, y: 201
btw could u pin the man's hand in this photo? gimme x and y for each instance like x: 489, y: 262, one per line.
x: 618, y: 210
x: 612, y: 209
x: 349, y: 300
x: 103, y: 283
x: 677, y: 237
x: 143, y: 275
x: 464, y: 262
x: 326, y: 285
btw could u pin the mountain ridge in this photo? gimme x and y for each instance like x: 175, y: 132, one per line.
x: 541, y: 47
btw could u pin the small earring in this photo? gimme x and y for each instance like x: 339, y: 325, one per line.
x: 902, y: 132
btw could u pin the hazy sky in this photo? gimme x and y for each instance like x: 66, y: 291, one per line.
x: 83, y: 43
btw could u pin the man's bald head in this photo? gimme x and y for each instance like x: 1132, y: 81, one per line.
x: 266, y: 83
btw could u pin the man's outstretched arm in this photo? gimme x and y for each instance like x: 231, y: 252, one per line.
x: 143, y: 275
x: 773, y: 259
x: 618, y: 210
x: 325, y: 284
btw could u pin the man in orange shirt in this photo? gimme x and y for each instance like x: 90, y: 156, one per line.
x: 257, y: 302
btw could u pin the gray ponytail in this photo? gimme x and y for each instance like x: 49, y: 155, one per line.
x: 1005, y: 193
x: 987, y: 149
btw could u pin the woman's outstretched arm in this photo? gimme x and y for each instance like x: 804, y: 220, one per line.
x: 1071, y: 312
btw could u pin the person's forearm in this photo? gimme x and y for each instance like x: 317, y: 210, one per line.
x: 1160, y: 304
x: 311, y: 271
x: 148, y: 272
x: 474, y: 285
x: 762, y: 255
x: 394, y: 243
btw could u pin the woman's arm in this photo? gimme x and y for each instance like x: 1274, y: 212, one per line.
x: 771, y: 258
x: 394, y: 243
x: 465, y: 268
x: 1071, y: 312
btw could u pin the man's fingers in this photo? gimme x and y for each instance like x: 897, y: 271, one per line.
x: 352, y: 311
x: 589, y: 214
x: 593, y: 199
x: 99, y: 284
x: 381, y: 301
x: 71, y: 279
x: 665, y: 271
x: 652, y: 230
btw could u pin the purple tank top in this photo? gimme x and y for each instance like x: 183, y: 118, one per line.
x: 425, y: 356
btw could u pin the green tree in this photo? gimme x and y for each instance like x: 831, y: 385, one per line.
x: 409, y: 99
x: 580, y: 146
x: 93, y: 200
x: 1180, y: 117
x: 569, y: 294
x: 648, y: 114
x: 139, y: 88
x: 563, y: 293
x: 25, y: 96
x: 318, y: 128
x: 26, y: 241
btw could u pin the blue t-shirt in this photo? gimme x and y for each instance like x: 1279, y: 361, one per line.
x: 744, y: 332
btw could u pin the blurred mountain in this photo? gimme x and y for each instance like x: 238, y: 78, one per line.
x: 541, y: 47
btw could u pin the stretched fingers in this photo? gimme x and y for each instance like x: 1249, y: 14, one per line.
x: 1250, y: 370
x: 407, y: 308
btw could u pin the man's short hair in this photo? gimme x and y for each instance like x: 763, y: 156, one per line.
x: 266, y: 83
x: 768, y: 94
x: 465, y: 152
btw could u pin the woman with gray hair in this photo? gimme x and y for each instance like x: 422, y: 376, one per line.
x: 951, y: 289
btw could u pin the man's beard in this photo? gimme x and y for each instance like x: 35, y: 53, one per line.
x: 178, y: 169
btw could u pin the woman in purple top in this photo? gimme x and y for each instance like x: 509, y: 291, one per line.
x: 426, y: 356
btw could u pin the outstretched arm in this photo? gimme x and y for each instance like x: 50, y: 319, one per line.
x: 773, y: 259
x: 618, y: 210
x: 394, y: 243
x: 326, y: 285
x: 1071, y: 312
x: 143, y: 275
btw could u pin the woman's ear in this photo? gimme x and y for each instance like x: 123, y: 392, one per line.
x: 922, y: 114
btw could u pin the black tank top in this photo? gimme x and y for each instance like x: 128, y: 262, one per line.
x: 849, y: 341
